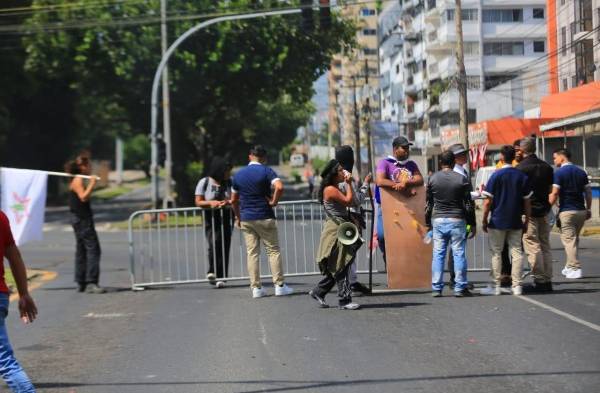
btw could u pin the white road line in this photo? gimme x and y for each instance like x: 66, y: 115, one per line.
x: 561, y: 313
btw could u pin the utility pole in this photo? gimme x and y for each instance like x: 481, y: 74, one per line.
x: 368, y: 119
x: 166, y: 107
x: 356, y: 128
x: 462, y: 78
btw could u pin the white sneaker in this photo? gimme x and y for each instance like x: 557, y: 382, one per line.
x: 211, y: 278
x: 283, y: 290
x: 258, y: 292
x: 498, y: 290
x: 517, y: 291
x: 220, y: 284
x: 574, y: 273
x: 350, y: 306
x: 565, y: 272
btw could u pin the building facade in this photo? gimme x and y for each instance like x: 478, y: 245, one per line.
x: 354, y: 78
x: 503, y: 40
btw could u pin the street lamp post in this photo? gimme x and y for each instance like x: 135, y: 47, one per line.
x: 161, y: 66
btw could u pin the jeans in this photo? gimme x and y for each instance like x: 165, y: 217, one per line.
x: 87, y: 254
x: 453, y: 231
x: 11, y: 371
x: 342, y: 280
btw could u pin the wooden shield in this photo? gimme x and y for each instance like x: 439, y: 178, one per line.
x: 408, y: 257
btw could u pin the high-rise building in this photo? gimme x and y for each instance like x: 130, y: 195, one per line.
x: 574, y: 43
x: 354, y: 78
x: 501, y: 39
x: 391, y: 65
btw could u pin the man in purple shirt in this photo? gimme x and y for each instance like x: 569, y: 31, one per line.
x: 398, y: 173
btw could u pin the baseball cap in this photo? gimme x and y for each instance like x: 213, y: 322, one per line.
x: 400, y: 141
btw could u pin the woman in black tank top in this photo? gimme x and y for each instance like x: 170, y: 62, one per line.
x: 87, y: 254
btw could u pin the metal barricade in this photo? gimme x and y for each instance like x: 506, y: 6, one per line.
x: 171, y: 246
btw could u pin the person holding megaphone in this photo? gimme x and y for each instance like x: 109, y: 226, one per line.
x: 340, y: 238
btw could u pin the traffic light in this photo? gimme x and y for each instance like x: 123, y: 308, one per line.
x: 308, y: 24
x: 162, y: 152
x: 324, y: 14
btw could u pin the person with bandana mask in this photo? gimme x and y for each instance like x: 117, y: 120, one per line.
x: 398, y: 173
x: 345, y: 156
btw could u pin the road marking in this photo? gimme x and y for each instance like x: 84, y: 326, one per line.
x: 45, y: 277
x: 561, y: 313
x: 107, y: 316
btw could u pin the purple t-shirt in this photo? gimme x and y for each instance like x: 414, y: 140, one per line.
x: 395, y: 170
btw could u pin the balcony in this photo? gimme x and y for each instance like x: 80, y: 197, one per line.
x: 408, y: 4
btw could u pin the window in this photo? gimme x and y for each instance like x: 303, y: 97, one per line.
x: 539, y: 46
x: 573, y: 81
x: 503, y: 48
x: 473, y: 82
x: 563, y: 38
x: 565, y: 84
x: 369, y: 51
x: 471, y: 48
x: 367, y: 12
x: 495, y: 80
x: 369, y: 32
x: 467, y: 15
x: 503, y: 16
x: 397, y: 68
x: 538, y: 13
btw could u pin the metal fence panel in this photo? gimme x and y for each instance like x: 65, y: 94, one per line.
x: 170, y: 246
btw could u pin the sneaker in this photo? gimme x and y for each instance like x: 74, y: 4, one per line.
x: 93, y: 288
x: 359, y: 289
x: 517, y: 290
x: 319, y: 299
x: 212, y: 280
x: 463, y: 293
x: 565, y: 272
x: 283, y: 290
x: 220, y: 284
x: 498, y: 290
x: 436, y: 294
x: 574, y: 274
x: 258, y: 292
x: 349, y: 306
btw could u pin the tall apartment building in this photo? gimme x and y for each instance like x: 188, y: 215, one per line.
x: 391, y: 65
x: 354, y: 77
x: 574, y: 42
x: 501, y: 38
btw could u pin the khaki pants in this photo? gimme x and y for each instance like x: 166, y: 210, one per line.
x: 265, y: 230
x: 571, y: 223
x: 536, y: 242
x: 513, y: 238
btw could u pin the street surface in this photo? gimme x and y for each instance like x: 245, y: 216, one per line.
x: 194, y: 338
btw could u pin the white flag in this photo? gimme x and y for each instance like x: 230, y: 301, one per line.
x: 24, y: 202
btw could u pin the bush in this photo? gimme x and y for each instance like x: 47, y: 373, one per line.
x: 296, y: 176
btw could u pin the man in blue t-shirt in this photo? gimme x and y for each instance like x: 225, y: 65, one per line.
x: 570, y: 185
x: 253, y: 208
x: 507, y: 198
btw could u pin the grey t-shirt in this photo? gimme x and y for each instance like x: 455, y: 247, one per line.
x: 449, y: 192
x: 211, y: 191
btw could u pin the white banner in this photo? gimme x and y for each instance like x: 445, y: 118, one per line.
x: 24, y: 202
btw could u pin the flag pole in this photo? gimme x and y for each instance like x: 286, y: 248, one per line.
x: 50, y: 173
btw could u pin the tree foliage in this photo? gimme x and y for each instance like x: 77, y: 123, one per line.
x: 90, y: 66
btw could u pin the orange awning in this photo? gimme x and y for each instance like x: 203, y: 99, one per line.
x: 580, y: 99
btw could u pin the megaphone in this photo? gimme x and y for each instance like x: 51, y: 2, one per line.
x: 347, y: 233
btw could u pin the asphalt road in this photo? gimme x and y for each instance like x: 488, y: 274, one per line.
x: 194, y: 338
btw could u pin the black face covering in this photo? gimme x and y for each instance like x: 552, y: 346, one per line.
x: 345, y: 156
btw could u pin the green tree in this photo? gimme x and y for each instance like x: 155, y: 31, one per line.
x: 232, y: 84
